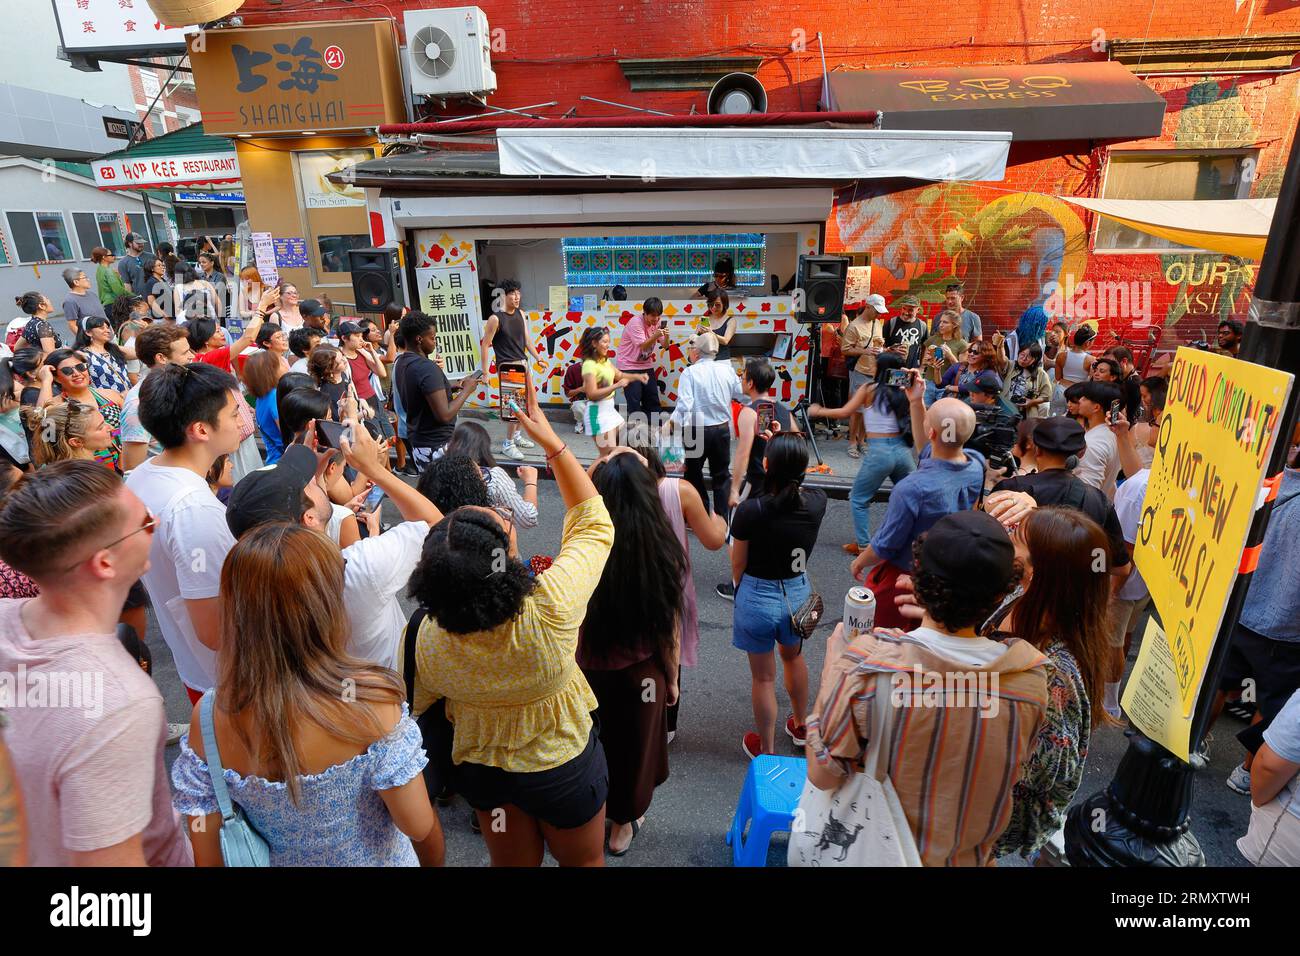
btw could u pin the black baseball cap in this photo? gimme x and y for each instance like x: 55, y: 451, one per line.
x: 273, y: 493
x: 311, y: 307
x: 989, y: 382
x: 1061, y: 435
x: 968, y: 546
x: 348, y: 328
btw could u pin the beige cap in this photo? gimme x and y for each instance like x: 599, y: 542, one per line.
x: 706, y: 343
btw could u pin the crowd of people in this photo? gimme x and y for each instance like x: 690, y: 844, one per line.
x: 226, y: 479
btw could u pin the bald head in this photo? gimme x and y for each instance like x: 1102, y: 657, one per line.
x: 950, y: 422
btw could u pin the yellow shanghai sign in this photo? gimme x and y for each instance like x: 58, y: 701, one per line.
x: 1220, y: 423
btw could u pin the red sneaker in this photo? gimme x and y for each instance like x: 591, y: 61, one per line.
x: 798, y: 732
x: 752, y: 744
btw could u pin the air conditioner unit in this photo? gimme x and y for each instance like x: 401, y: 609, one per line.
x: 449, y: 51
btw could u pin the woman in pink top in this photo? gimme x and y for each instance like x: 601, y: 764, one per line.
x: 685, y: 508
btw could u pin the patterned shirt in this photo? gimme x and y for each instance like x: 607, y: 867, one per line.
x: 1054, y: 771
x: 955, y: 753
x: 515, y: 694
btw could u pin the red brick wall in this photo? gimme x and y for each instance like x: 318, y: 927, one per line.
x: 1022, y: 235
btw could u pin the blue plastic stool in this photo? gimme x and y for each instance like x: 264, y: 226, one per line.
x: 767, y: 803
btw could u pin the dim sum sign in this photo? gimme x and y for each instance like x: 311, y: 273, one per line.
x: 1220, y: 422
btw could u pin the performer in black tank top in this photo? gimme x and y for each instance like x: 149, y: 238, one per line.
x: 507, y: 336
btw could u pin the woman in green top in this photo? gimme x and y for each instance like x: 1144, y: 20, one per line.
x: 941, y: 352
x: 108, y: 284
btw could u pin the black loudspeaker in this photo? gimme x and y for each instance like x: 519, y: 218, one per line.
x: 822, y: 280
x: 376, y: 278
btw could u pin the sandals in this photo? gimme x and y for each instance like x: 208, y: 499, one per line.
x: 636, y: 828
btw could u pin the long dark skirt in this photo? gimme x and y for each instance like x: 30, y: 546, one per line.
x: 633, y: 731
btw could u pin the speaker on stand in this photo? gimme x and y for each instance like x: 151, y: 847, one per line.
x: 376, y: 279
x: 820, y: 281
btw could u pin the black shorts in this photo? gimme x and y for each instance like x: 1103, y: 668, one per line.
x: 1273, y: 665
x: 564, y: 797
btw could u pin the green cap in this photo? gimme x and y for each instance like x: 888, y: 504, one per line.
x: 907, y: 300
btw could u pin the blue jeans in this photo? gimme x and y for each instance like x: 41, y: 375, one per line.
x: 761, y: 618
x: 932, y: 393
x: 884, y: 458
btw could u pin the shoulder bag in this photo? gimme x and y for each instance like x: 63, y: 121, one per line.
x: 241, y: 845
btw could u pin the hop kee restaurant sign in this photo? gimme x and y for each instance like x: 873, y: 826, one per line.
x: 138, y: 172
x: 300, y: 78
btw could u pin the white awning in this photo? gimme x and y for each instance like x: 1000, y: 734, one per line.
x: 1236, y: 227
x: 733, y: 206
x: 758, y: 153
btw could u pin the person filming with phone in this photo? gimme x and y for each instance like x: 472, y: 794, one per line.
x: 1099, y: 403
x: 886, y: 417
x: 430, y: 402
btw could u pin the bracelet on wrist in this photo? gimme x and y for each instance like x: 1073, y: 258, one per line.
x: 557, y: 453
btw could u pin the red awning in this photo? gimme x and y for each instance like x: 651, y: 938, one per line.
x: 857, y: 118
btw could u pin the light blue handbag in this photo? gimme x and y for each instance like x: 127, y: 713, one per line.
x: 241, y: 845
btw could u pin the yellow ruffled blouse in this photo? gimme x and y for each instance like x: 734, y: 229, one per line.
x: 515, y: 694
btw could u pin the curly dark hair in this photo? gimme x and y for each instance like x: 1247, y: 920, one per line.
x: 453, y: 481
x: 460, y: 579
x: 956, y: 605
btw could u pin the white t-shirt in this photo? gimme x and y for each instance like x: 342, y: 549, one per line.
x: 189, y: 547
x: 975, y: 651
x: 1128, y: 508
x: 337, y: 516
x: 299, y: 366
x: 377, y: 570
x: 1099, y: 464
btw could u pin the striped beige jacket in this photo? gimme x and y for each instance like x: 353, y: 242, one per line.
x: 960, y: 737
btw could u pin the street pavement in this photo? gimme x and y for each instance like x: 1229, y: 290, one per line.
x: 692, y: 811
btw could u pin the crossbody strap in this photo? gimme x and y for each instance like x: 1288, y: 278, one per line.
x: 408, y: 657
x: 213, y: 756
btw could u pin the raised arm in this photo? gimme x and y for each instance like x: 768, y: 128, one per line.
x: 575, y: 487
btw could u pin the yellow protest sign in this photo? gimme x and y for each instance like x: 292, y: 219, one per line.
x: 1220, y: 422
x: 1151, y: 698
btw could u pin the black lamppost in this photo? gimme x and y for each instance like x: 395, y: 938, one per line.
x: 1143, y: 818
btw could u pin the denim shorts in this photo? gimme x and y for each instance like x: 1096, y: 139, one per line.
x: 762, y: 615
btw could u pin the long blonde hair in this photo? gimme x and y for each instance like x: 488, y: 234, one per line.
x: 283, y: 660
x: 53, y: 428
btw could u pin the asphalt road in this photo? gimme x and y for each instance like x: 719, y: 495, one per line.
x: 692, y: 811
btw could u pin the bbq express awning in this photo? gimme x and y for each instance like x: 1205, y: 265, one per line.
x: 1047, y: 101
x: 184, y: 159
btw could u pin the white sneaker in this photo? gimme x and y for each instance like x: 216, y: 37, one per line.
x: 523, y: 441
x: 1239, y: 780
x: 510, y: 450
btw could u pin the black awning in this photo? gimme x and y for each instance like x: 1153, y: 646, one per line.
x: 1046, y: 101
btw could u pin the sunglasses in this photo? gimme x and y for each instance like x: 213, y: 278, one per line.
x: 149, y: 525
x: 69, y: 369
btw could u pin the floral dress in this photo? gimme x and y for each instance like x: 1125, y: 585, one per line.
x: 341, y: 819
x: 1053, y: 772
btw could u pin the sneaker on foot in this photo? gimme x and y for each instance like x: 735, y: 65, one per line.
x: 798, y: 732
x: 577, y: 429
x: 855, y: 451
x: 511, y: 450
x: 752, y: 744
x: 671, y: 735
x: 174, y: 732
x: 726, y: 591
x: 1239, y: 779
x: 523, y: 441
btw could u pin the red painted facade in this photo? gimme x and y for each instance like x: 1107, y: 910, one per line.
x: 1004, y: 240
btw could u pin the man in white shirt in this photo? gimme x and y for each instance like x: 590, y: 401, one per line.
x: 159, y: 344
x: 705, y: 392
x: 376, y: 568
x: 192, y: 411
x: 1099, y: 465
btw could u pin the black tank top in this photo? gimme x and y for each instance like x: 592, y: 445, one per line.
x: 754, y: 470
x: 510, y: 343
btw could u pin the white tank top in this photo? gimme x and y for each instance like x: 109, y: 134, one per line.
x: 877, y: 422
x: 1073, y: 368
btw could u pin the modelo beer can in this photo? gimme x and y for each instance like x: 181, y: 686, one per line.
x: 859, y: 612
